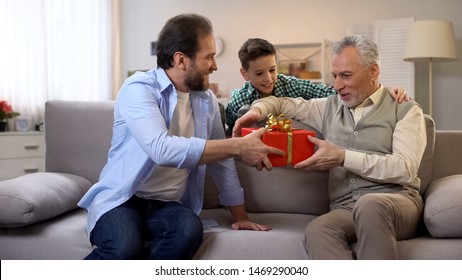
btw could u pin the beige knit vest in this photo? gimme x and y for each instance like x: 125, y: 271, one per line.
x: 373, y: 134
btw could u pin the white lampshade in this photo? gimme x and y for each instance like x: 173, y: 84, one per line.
x: 431, y: 40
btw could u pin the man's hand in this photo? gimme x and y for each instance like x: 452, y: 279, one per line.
x: 327, y: 156
x: 247, y: 120
x: 249, y: 225
x: 254, y: 152
x: 249, y: 149
x: 242, y: 221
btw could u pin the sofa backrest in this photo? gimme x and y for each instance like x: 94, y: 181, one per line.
x: 448, y: 153
x: 78, y: 136
x: 284, y: 190
x: 426, y: 165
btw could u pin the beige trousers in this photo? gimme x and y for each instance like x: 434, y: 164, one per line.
x: 376, y: 222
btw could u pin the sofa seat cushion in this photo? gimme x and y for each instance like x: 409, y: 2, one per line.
x: 286, y: 240
x: 60, y: 238
x: 443, y: 207
x: 39, y: 196
x: 430, y: 248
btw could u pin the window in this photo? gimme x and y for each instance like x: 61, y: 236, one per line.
x: 391, y: 37
x: 54, y: 49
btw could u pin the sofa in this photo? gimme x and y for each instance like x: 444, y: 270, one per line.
x: 39, y: 217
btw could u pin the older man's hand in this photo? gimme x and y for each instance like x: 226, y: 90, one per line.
x: 327, y: 156
x: 247, y: 120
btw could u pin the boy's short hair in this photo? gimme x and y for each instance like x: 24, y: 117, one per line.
x: 254, y: 48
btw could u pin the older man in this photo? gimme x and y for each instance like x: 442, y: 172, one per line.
x: 373, y: 147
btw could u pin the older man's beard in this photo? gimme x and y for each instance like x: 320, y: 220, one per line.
x: 351, y: 103
x: 195, y: 81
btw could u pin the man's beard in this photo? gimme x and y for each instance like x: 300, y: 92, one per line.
x: 195, y: 81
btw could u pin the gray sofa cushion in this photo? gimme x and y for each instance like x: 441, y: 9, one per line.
x: 78, y: 136
x: 35, y: 197
x: 448, y: 154
x: 284, y: 190
x: 443, y: 207
x: 284, y: 242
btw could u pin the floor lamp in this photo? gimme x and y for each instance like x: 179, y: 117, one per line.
x: 431, y: 41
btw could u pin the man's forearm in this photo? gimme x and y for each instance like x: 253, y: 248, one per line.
x: 216, y: 150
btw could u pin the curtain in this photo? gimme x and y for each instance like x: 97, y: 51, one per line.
x: 117, y: 80
x: 54, y: 49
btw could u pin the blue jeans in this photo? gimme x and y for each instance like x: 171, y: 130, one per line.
x: 146, y: 229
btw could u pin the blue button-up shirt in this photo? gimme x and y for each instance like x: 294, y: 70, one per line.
x: 142, y: 115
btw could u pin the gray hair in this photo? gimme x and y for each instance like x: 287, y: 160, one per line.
x: 367, y: 49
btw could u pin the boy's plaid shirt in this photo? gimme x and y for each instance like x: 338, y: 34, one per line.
x: 286, y: 86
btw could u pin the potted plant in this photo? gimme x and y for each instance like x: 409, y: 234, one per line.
x: 6, y: 113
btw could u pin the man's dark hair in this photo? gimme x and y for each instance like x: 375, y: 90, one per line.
x: 254, y: 48
x: 181, y: 34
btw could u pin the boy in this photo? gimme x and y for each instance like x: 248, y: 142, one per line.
x: 259, y: 69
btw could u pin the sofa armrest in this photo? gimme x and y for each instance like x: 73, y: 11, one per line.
x: 39, y: 196
x: 443, y: 207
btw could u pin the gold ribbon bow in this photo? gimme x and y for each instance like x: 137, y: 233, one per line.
x: 283, y: 124
x: 279, y: 123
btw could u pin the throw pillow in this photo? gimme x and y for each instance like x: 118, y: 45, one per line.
x: 443, y: 207
x: 39, y: 196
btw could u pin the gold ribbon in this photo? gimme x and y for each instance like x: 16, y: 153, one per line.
x: 289, y: 148
x: 283, y: 124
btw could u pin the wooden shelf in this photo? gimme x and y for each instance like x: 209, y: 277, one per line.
x: 306, y: 60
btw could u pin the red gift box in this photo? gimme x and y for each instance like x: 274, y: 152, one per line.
x: 294, y: 143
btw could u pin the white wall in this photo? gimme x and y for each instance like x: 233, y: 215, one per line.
x: 296, y: 21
